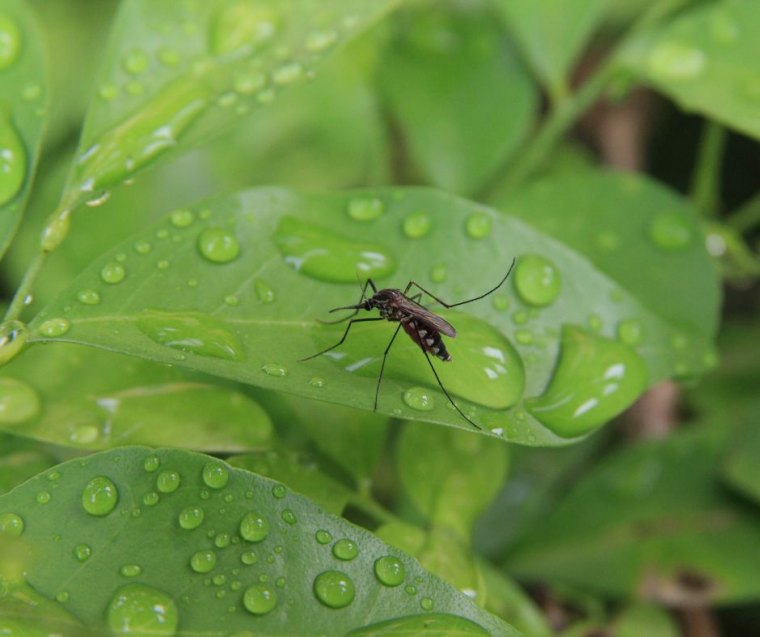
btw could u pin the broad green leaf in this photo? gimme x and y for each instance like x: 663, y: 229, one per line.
x: 704, y: 59
x: 93, y: 399
x: 654, y: 519
x: 183, y: 541
x: 20, y: 460
x: 434, y: 625
x: 740, y: 465
x: 175, y: 73
x: 233, y: 287
x: 551, y: 34
x: 646, y: 619
x: 23, y: 111
x: 450, y: 476
x: 458, y: 92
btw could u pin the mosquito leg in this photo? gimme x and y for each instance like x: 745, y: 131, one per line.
x: 477, y: 298
x: 368, y: 282
x: 382, y: 366
x: 343, y: 338
x: 443, y: 389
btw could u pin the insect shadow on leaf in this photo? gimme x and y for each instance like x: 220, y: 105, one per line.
x: 423, y: 326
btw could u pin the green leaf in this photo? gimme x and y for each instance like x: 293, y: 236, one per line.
x: 434, y: 625
x: 651, y: 518
x: 456, y: 477
x: 233, y: 287
x: 252, y: 560
x: 646, y: 619
x: 740, y: 464
x: 92, y: 399
x: 551, y: 34
x: 177, y: 73
x: 20, y: 460
x: 23, y: 111
x: 704, y: 59
x: 458, y: 92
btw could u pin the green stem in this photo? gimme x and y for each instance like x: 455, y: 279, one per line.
x: 24, y: 289
x: 705, y: 183
x: 747, y: 217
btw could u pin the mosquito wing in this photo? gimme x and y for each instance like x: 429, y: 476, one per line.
x: 424, y: 315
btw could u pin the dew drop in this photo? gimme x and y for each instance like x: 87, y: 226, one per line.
x: 10, y: 42
x: 151, y: 463
x: 264, y: 291
x: 323, y: 254
x: 417, y: 225
x: 108, y: 92
x: 142, y: 247
x: 278, y: 491
x: 82, y: 552
x: 478, y: 225
x: 168, y: 481
x: 113, y: 273
x: 317, y: 382
x: 675, y: 61
x: 13, y: 335
x: 438, y: 273
x: 218, y: 245
x: 334, y: 589
x: 215, y: 475
x: 249, y: 83
x: 190, y: 517
x: 273, y: 369
x: 288, y: 517
x: 595, y: 379
x: 54, y: 327
x: 62, y: 597
x: 99, y: 496
x: 345, y: 549
x: 135, y: 88
x: 319, y: 41
x: 254, y: 527
x: 536, y: 280
x: 168, y: 57
x: 150, y: 499
x: 43, y: 497
x: 182, y: 218
x: 203, y: 561
x: 88, y: 297
x: 130, y: 570
x: 287, y: 74
x: 11, y: 525
x: 222, y: 540
x: 135, y: 62
x: 242, y: 26
x: 365, y: 208
x: 259, y: 599
x: 231, y: 300
x: 389, y: 570
x: 18, y: 401
x: 419, y: 398
x: 629, y: 331
x: 137, y: 609
x: 323, y: 537
x: 426, y: 603
x: 12, y: 153
x: 248, y: 558
x: 671, y: 230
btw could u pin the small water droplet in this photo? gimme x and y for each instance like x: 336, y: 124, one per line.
x: 62, y: 597
x: 345, y: 549
x: 287, y: 74
x: 215, y: 475
x: 182, y: 218
x: 426, y: 603
x: 18, y: 401
x: 629, y: 331
x: 43, y: 497
x: 319, y: 41
x: 108, y: 92
x: 113, y: 273
x: 10, y: 42
x: 390, y: 570
x: 54, y: 327
x: 419, y: 398
x: 671, y: 230
x: 410, y: 590
x: 13, y: 335
x: 222, y: 540
x: 135, y: 62
x: 536, y: 280
x: 671, y: 60
x: 248, y: 558
x: 242, y: 27
x: 82, y: 552
x: 438, y: 273
x: 500, y: 302
x: 417, y: 225
x: 254, y: 527
x: 273, y: 369
x: 168, y: 481
x: 524, y: 337
x: 88, y: 297
x: 334, y: 589
x: 162, y: 264
x: 478, y: 225
x: 218, y: 245
x: 13, y: 156
x: 259, y: 599
x: 264, y: 291
x: 203, y: 561
x: 250, y: 83
x: 288, y: 517
x: 365, y: 208
x: 323, y: 537
x: 190, y: 517
x: 11, y: 525
x: 151, y: 463
x: 130, y: 570
x: 99, y: 496
x: 168, y: 57
x: 607, y: 241
x: 139, y: 609
x: 595, y: 322
x: 150, y: 499
x: 278, y: 491
x: 317, y: 382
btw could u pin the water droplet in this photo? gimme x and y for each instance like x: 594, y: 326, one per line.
x: 12, y: 155
x: 248, y: 558
x: 151, y: 463
x: 18, y: 401
x: 671, y: 230
x: 130, y: 570
x: 135, y: 62
x: 323, y: 537
x: 607, y: 241
x: 273, y: 369
x: 113, y: 273
x: 82, y: 552
x: 264, y: 291
x: 426, y: 603
x: 215, y: 475
x: 417, y: 225
x: 150, y: 499
x: 524, y: 337
x: 536, y: 280
x: 325, y: 255
x: 190, y: 517
x: 182, y: 218
x: 108, y: 92
x: 478, y: 225
x: 168, y: 57
x: 249, y: 83
x: 10, y: 42
x: 139, y: 609
x: 389, y: 570
x: 134, y: 88
x: 288, y: 516
x: 410, y: 590
x: 11, y: 525
x: 319, y: 41
x: 168, y: 481
x: 192, y: 332
x: 345, y: 549
x: 629, y: 331
x: 218, y: 245
x: 365, y: 208
x: 203, y: 561
x: 88, y: 297
x: 259, y: 599
x: 278, y: 491
x: 55, y: 231
x: 13, y: 335
x: 54, y: 327
x: 287, y: 74
x: 334, y: 589
x: 242, y: 26
x: 142, y: 247
x: 222, y: 540
x: 595, y: 322
x: 43, y: 497
x: 419, y: 398
x: 254, y: 527
x: 595, y: 379
x: 163, y: 264
x: 99, y: 496
x: 317, y: 382
x: 62, y: 597
x: 671, y: 60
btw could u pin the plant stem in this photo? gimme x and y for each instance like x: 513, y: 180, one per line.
x: 705, y: 183
x: 747, y: 217
x: 25, y: 288
x: 372, y: 508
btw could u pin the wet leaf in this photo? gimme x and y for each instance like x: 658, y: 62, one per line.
x: 224, y: 550
x: 23, y: 111
x: 233, y: 287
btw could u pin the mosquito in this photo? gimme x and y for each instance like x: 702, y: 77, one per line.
x: 423, y: 326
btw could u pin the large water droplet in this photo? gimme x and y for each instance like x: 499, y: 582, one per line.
x: 417, y: 225
x: 18, y: 401
x: 259, y: 599
x: 419, y: 398
x: 254, y: 527
x: 671, y: 230
x: 140, y: 610
x: 675, y: 61
x: 325, y: 255
x: 10, y: 42
x: 536, y: 280
x: 334, y: 589
x: 13, y: 335
x: 11, y: 525
x: 389, y: 570
x: 218, y: 245
x: 203, y: 561
x: 190, y: 332
x: 54, y: 327
x: 242, y: 26
x: 595, y: 379
x: 12, y: 155
x: 345, y: 549
x: 190, y: 517
x: 215, y: 475
x: 99, y: 496
x: 365, y: 208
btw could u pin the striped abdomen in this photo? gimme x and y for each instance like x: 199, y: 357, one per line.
x: 427, y: 337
